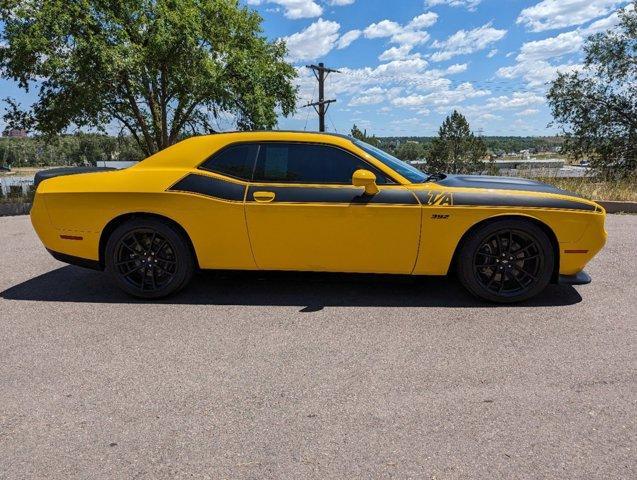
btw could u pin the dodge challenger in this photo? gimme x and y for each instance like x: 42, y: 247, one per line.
x: 312, y: 202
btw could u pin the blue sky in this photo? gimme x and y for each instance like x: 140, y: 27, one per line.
x: 408, y: 63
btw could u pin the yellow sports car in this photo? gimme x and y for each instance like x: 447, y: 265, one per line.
x: 312, y: 202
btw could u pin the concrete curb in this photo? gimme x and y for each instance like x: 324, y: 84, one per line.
x: 12, y: 209
x: 618, y: 207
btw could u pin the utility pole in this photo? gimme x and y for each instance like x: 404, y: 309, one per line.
x: 321, y: 72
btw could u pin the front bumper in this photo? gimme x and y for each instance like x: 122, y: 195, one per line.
x: 581, y: 278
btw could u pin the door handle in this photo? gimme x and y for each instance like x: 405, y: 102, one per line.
x: 264, y: 197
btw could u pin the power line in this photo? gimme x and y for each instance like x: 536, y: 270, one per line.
x: 307, y: 117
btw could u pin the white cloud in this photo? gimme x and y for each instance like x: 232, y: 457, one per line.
x: 516, y: 100
x: 425, y: 20
x: 442, y: 97
x: 374, y: 96
x: 295, y: 8
x: 457, y: 68
x: 488, y: 116
x: 409, y: 37
x: 373, y: 99
x: 486, y: 109
x: 563, y: 44
x: 536, y: 73
x: 347, y: 39
x: 534, y: 61
x: 466, y: 42
x: 385, y: 28
x: 315, y: 41
x: 528, y: 112
x: 395, y: 53
x: 340, y: 3
x: 492, y: 53
x: 471, y: 5
x: 352, y: 81
x: 411, y: 34
x: 553, y: 14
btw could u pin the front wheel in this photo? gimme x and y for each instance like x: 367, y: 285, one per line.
x: 149, y: 258
x: 506, y: 261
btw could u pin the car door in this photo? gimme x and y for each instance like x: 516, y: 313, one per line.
x: 304, y: 214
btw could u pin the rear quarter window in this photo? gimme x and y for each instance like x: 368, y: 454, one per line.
x: 235, y: 161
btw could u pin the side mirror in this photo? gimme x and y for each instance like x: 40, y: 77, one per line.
x: 365, y: 178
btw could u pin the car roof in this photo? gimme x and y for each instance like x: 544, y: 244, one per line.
x: 284, y: 133
x: 194, y: 150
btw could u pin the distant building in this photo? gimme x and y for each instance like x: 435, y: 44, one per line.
x: 15, y: 133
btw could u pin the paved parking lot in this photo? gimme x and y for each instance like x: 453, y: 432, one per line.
x: 314, y: 376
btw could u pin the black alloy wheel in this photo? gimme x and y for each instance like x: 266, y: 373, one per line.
x: 506, y: 261
x: 148, y: 258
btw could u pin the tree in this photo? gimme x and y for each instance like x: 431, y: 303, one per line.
x: 410, y: 151
x: 362, y: 136
x: 596, y: 108
x: 160, y: 69
x: 456, y: 149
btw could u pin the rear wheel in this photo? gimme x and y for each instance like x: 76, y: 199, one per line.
x: 149, y: 258
x: 506, y: 261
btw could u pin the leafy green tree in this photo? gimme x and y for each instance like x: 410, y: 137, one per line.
x: 456, y: 149
x: 362, y: 136
x: 410, y: 151
x: 78, y: 149
x: 357, y: 133
x: 597, y: 107
x: 161, y: 69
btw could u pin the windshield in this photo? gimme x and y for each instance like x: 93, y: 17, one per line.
x: 410, y: 173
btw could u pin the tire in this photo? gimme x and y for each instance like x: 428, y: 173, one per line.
x: 506, y: 261
x: 149, y: 258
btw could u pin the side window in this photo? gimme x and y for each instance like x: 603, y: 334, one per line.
x: 309, y: 163
x: 235, y: 161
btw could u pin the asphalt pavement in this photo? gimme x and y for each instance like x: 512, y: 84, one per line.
x: 306, y: 376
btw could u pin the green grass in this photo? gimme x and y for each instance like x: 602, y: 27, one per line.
x: 595, y: 189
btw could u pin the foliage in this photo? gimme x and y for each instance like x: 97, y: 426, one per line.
x: 597, y: 107
x: 80, y: 149
x: 457, y: 149
x: 410, y: 151
x: 362, y: 136
x: 158, y: 68
x: 496, y: 145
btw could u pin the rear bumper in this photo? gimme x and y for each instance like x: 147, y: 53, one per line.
x: 77, y: 261
x: 581, y: 278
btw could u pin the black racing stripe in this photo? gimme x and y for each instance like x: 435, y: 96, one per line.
x: 210, y: 187
x: 389, y: 196
x: 470, y: 199
x: 485, y: 182
x: 464, y: 199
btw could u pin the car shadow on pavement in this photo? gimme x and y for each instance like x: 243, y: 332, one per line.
x: 310, y: 291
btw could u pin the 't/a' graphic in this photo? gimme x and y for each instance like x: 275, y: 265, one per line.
x: 441, y: 199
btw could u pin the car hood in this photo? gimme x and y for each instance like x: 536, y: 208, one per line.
x: 501, y: 183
